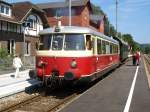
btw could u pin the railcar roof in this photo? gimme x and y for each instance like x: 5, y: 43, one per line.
x: 75, y: 30
x: 122, y: 41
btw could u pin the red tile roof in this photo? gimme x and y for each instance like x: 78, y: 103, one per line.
x: 20, y: 10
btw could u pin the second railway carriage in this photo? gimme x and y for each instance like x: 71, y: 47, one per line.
x: 123, y: 49
x: 72, y: 53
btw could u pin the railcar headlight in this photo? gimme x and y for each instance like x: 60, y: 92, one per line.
x: 40, y: 63
x: 74, y: 63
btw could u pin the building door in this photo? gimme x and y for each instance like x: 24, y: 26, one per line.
x: 11, y: 46
x: 27, y: 48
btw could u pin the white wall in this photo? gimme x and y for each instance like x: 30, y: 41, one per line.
x: 39, y: 25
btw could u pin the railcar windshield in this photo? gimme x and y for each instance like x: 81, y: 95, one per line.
x: 45, y: 42
x: 74, y: 42
x: 62, y: 42
x: 57, y: 43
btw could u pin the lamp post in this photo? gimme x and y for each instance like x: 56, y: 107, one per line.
x: 70, y: 13
x: 69, y: 2
x: 25, y: 25
x: 24, y: 29
x: 116, y: 17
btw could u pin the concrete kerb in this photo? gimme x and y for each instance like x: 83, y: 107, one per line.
x: 9, y: 74
x: 20, y: 88
x: 147, y: 72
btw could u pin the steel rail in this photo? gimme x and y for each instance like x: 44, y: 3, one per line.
x: 17, y: 105
x: 30, y: 100
x: 66, y: 100
x: 147, y: 60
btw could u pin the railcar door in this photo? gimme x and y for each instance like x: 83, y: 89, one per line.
x: 94, y: 41
x: 98, y: 56
x: 90, y: 46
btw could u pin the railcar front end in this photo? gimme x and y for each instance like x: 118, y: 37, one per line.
x: 65, y: 57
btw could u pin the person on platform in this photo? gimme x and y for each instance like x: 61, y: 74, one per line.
x: 17, y: 64
x: 138, y: 54
x: 134, y: 59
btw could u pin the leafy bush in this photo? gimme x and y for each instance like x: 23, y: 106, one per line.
x: 5, y: 59
x: 3, y: 53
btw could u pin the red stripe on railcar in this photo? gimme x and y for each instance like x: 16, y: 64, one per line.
x: 85, y: 65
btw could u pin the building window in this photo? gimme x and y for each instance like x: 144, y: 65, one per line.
x: 2, y: 9
x: 18, y: 28
x: 11, y: 46
x: 5, y: 10
x: 32, y: 20
x: 31, y: 23
x: 11, y: 27
x: 58, y: 12
x: 27, y: 48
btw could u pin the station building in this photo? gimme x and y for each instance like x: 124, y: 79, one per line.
x: 20, y: 24
x: 81, y: 14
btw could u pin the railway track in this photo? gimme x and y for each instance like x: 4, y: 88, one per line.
x: 39, y: 103
x: 147, y: 67
x: 17, y: 105
x: 61, y: 103
x: 147, y: 60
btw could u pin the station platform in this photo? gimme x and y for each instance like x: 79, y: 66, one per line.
x: 10, y: 85
x: 124, y: 90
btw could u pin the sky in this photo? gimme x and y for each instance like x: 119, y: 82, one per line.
x: 133, y: 16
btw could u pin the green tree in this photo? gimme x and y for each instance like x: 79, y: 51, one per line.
x: 97, y: 10
x: 147, y: 49
x: 136, y: 46
x: 112, y: 31
x: 119, y: 35
x: 129, y: 39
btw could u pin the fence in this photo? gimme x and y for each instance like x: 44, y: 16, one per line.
x: 7, y: 62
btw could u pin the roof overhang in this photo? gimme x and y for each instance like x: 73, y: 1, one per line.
x: 3, y: 2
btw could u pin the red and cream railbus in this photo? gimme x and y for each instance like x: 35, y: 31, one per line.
x: 74, y: 53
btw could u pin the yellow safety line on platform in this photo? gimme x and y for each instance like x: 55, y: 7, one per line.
x: 147, y: 72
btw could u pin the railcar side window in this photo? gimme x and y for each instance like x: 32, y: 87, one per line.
x: 74, y: 42
x: 115, y: 48
x: 107, y: 48
x: 57, y: 43
x: 111, y: 48
x: 88, y: 42
x: 45, y: 42
x: 99, y: 51
x: 103, y: 47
